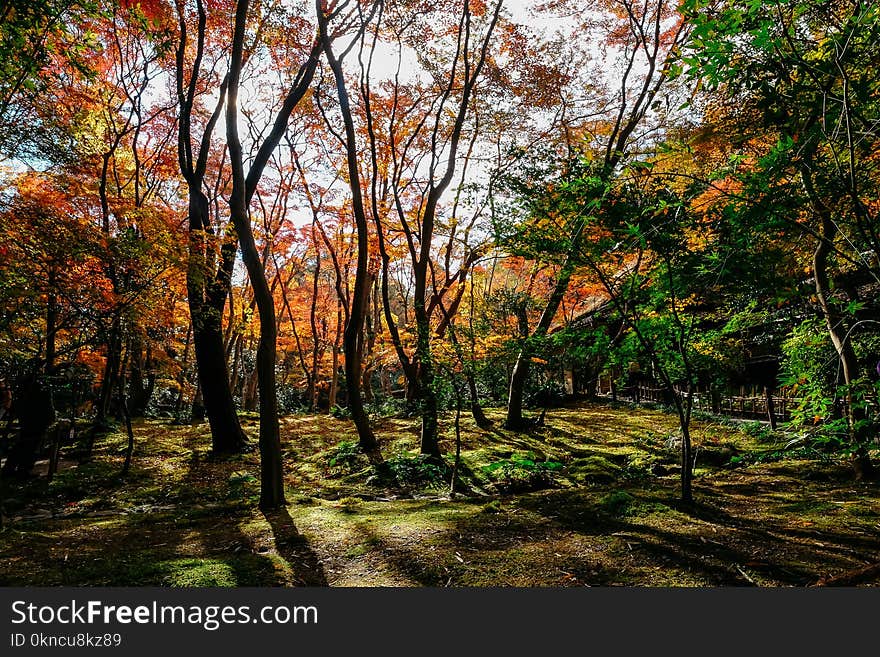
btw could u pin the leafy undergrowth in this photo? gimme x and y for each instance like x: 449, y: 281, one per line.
x: 588, y: 499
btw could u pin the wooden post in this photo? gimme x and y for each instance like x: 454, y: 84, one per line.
x: 771, y: 416
x: 57, y: 432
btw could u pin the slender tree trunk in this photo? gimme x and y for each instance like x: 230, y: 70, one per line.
x: 369, y: 342
x: 352, y: 333
x: 182, y: 375
x: 861, y: 460
x: 271, y: 466
x: 683, y: 408
x: 467, y: 365
x: 456, y: 464
x: 51, y: 321
x: 129, y: 450
x: 141, y: 381
x: 207, y: 288
x: 111, y: 372
x: 476, y: 409
x: 249, y: 397
x: 427, y: 393
x: 313, y: 321
x: 235, y: 374
x: 334, y: 376
x: 520, y: 375
x: 197, y: 408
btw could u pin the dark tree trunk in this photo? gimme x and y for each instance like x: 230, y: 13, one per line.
x: 129, y: 450
x: 111, y: 372
x: 206, y: 304
x: 351, y: 336
x: 427, y: 393
x: 271, y: 464
x: 313, y: 321
x: 476, y: 410
x: 687, y: 474
x: 36, y: 413
x: 207, y: 287
x: 428, y: 443
x: 249, y: 392
x: 715, y: 393
x: 227, y: 435
x: 334, y: 376
x: 197, y: 408
x: 51, y: 321
x: 141, y: 380
x: 456, y: 464
x: 520, y: 375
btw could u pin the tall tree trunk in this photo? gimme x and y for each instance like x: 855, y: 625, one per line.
x: 123, y: 404
x: 771, y: 409
x: 249, y: 392
x: 858, y: 434
x: 313, y: 321
x: 351, y: 336
x: 683, y: 409
x: 51, y: 320
x: 476, y: 409
x: 271, y: 466
x: 141, y: 380
x: 334, y: 376
x: 182, y: 375
x: 206, y: 303
x: 207, y: 288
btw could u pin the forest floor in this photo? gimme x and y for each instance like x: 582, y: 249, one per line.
x: 590, y: 498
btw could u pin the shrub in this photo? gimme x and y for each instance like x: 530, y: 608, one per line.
x: 522, y: 473
x: 345, y: 456
x: 406, y: 471
x: 340, y: 412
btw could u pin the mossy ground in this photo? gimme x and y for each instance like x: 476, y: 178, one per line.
x: 606, y: 513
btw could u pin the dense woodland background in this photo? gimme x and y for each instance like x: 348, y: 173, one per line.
x: 436, y: 221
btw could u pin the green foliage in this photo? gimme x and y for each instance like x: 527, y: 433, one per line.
x: 405, y: 471
x: 617, y: 503
x: 244, y: 486
x: 340, y: 412
x: 758, y: 430
x: 550, y: 200
x: 42, y: 43
x: 810, y: 369
x: 522, y: 473
x: 345, y: 457
x: 383, y: 406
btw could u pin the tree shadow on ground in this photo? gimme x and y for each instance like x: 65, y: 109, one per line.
x: 735, y: 543
x: 295, y: 549
x: 189, y: 531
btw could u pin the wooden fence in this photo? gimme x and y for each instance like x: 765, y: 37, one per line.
x: 748, y: 402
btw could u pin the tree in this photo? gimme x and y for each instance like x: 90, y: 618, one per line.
x: 41, y: 43
x: 802, y: 66
x: 243, y: 188
x: 209, y: 270
x: 413, y: 135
